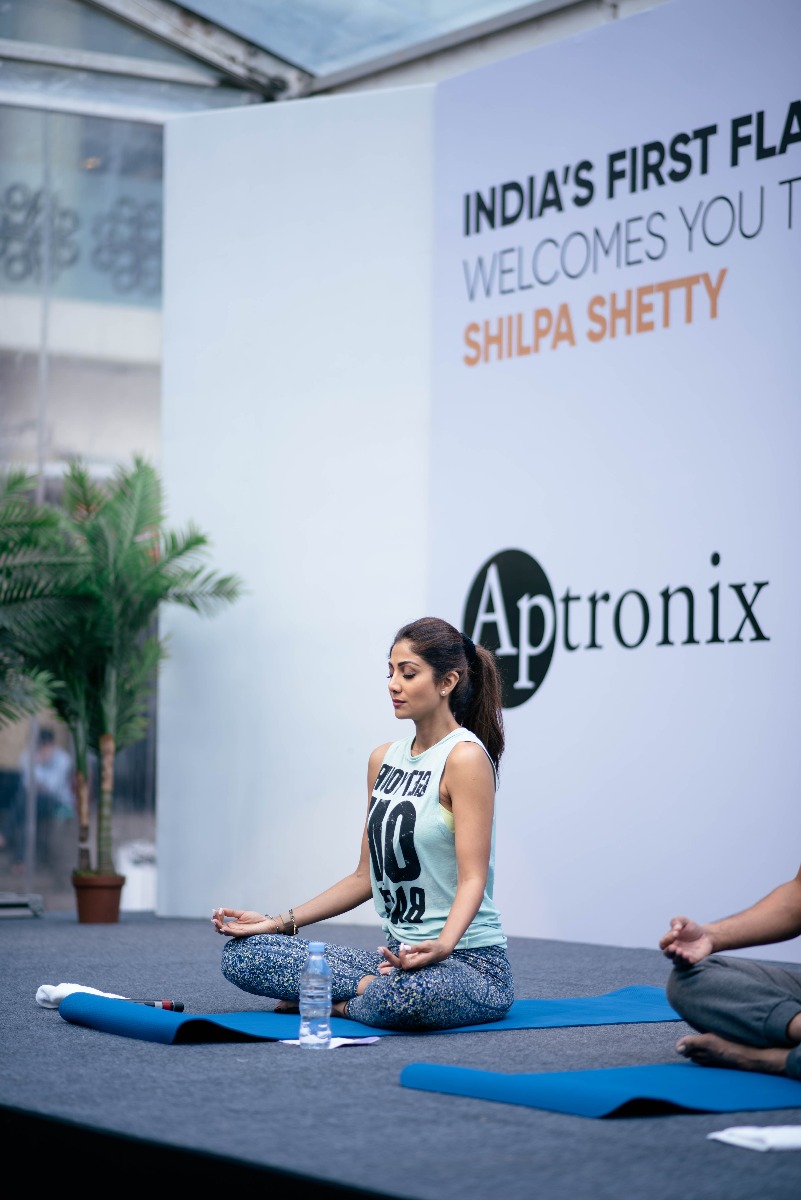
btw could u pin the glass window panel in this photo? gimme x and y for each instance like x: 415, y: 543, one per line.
x: 323, y: 36
x: 80, y: 371
x: 80, y: 288
x: 80, y: 208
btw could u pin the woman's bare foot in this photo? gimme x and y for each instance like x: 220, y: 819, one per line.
x: 337, y: 1010
x: 340, y: 1009
x: 709, y: 1050
x: 288, y: 1006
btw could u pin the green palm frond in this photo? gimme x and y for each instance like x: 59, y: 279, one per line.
x: 33, y: 613
x: 16, y: 487
x: 19, y: 527
x: 71, y: 701
x: 16, y: 480
x: 182, y: 546
x: 23, y: 691
x: 134, y: 692
x: 23, y: 523
x: 205, y: 591
x: 135, y: 506
x: 82, y: 497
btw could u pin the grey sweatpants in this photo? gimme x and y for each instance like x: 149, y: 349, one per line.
x: 739, y: 999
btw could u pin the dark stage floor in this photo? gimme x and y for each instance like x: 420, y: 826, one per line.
x: 104, y: 1110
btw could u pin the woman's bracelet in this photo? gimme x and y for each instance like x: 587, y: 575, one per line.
x: 280, y: 922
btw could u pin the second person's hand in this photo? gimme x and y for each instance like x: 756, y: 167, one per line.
x: 686, y: 941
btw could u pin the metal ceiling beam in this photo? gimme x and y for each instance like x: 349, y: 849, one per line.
x: 241, y: 61
x: 145, y: 115
x: 113, y: 64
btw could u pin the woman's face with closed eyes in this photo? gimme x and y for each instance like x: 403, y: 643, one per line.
x: 412, y: 688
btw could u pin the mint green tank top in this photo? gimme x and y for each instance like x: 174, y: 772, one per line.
x: 412, y: 848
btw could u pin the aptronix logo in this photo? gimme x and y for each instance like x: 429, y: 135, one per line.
x: 512, y: 610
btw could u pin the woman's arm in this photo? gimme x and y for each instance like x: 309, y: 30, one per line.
x: 341, y: 897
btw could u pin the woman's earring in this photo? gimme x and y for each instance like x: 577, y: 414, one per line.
x: 443, y: 693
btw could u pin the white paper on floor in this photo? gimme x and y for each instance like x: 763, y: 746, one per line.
x: 336, y: 1041
x: 761, y: 1137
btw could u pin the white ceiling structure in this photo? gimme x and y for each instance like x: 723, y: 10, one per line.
x: 149, y: 59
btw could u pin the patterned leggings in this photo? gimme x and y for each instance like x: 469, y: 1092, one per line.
x: 470, y: 987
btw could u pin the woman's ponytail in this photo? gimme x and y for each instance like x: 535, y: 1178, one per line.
x: 483, y: 712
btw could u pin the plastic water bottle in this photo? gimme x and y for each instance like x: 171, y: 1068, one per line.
x: 315, y: 1000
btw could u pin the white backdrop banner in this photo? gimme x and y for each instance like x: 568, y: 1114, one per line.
x: 615, y: 440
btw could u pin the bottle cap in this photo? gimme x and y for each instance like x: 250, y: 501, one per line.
x: 316, y: 947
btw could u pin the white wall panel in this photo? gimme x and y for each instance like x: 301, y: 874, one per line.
x: 295, y: 432
x: 644, y: 780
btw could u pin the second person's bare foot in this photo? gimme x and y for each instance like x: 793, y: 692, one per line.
x: 709, y: 1050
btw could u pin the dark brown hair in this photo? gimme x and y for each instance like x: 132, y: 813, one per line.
x: 476, y: 700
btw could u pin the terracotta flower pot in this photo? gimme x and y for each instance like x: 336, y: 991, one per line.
x: 97, y: 897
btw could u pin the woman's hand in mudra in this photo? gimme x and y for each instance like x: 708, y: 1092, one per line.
x: 411, y: 958
x: 239, y: 922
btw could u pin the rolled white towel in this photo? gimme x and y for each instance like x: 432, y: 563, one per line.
x: 50, y: 995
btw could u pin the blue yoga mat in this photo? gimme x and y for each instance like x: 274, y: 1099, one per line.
x: 625, y: 1006
x: 615, y: 1091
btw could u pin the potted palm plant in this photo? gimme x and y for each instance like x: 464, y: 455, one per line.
x: 115, y: 565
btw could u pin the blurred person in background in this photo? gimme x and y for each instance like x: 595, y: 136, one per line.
x: 54, y: 779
